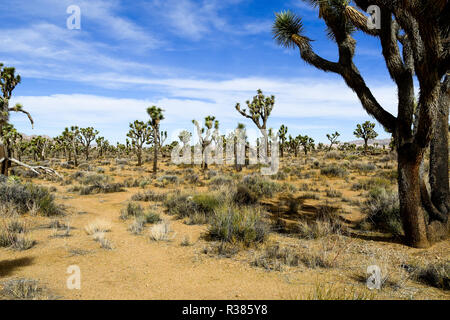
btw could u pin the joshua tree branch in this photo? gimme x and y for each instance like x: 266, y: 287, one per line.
x: 23, y: 111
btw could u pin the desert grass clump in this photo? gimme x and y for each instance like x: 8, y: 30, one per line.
x: 383, y: 211
x: 364, y: 167
x: 168, y: 179
x: 22, y: 289
x: 332, y: 193
x: 220, y: 181
x: 186, y: 242
x: 101, y: 188
x: 132, y: 209
x: 26, y: 196
x: 100, y: 238
x: 317, y: 229
x: 161, y: 232
x: 137, y: 227
x: 333, y: 154
x: 97, y: 226
x: 243, y: 225
x: 13, y: 234
x: 316, y: 260
x: 334, y: 170
x: 331, y: 292
x: 149, y: 195
x: 434, y: 274
x: 275, y: 257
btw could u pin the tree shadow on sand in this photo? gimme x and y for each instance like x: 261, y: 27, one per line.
x: 8, y: 266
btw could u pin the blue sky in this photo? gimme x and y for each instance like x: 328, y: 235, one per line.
x: 191, y: 58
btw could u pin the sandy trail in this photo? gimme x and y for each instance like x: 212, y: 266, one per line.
x: 137, y: 268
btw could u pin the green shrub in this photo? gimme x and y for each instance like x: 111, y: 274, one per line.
x: 27, y: 196
x: 151, y: 217
x: 93, y: 179
x: 132, y: 209
x: 260, y: 186
x: 243, y: 196
x: 184, y: 205
x: 383, y: 210
x: 243, y: 225
x: 334, y: 171
x: 371, y: 183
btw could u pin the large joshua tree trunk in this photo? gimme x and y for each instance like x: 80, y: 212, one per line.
x: 439, y: 153
x: 411, y: 211
x: 139, y: 157
x: 4, y: 166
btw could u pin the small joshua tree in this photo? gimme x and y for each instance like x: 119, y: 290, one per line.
x: 205, y: 136
x: 86, y: 136
x: 259, y: 110
x: 102, y: 146
x: 73, y: 136
x: 306, y: 142
x: 333, y: 139
x: 38, y: 146
x: 140, y: 133
x: 156, y: 115
x: 282, y: 134
x: 294, y: 144
x: 366, y: 132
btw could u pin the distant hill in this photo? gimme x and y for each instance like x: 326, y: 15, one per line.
x: 26, y: 137
x: 380, y: 142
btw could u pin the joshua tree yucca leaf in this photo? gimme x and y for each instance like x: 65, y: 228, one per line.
x: 286, y: 25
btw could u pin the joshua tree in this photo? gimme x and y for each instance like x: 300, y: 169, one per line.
x: 140, y: 133
x: 86, y: 136
x: 11, y: 138
x: 294, y: 144
x: 8, y: 82
x: 421, y: 27
x: 333, y: 139
x: 73, y: 136
x: 205, y: 136
x: 306, y: 142
x: 239, y: 136
x: 156, y: 115
x: 366, y: 132
x: 38, y: 146
x: 282, y: 134
x: 259, y: 111
x: 102, y: 145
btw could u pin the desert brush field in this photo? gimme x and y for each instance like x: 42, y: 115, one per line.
x: 307, y: 232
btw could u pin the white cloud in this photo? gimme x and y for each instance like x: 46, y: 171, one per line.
x: 187, y: 99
